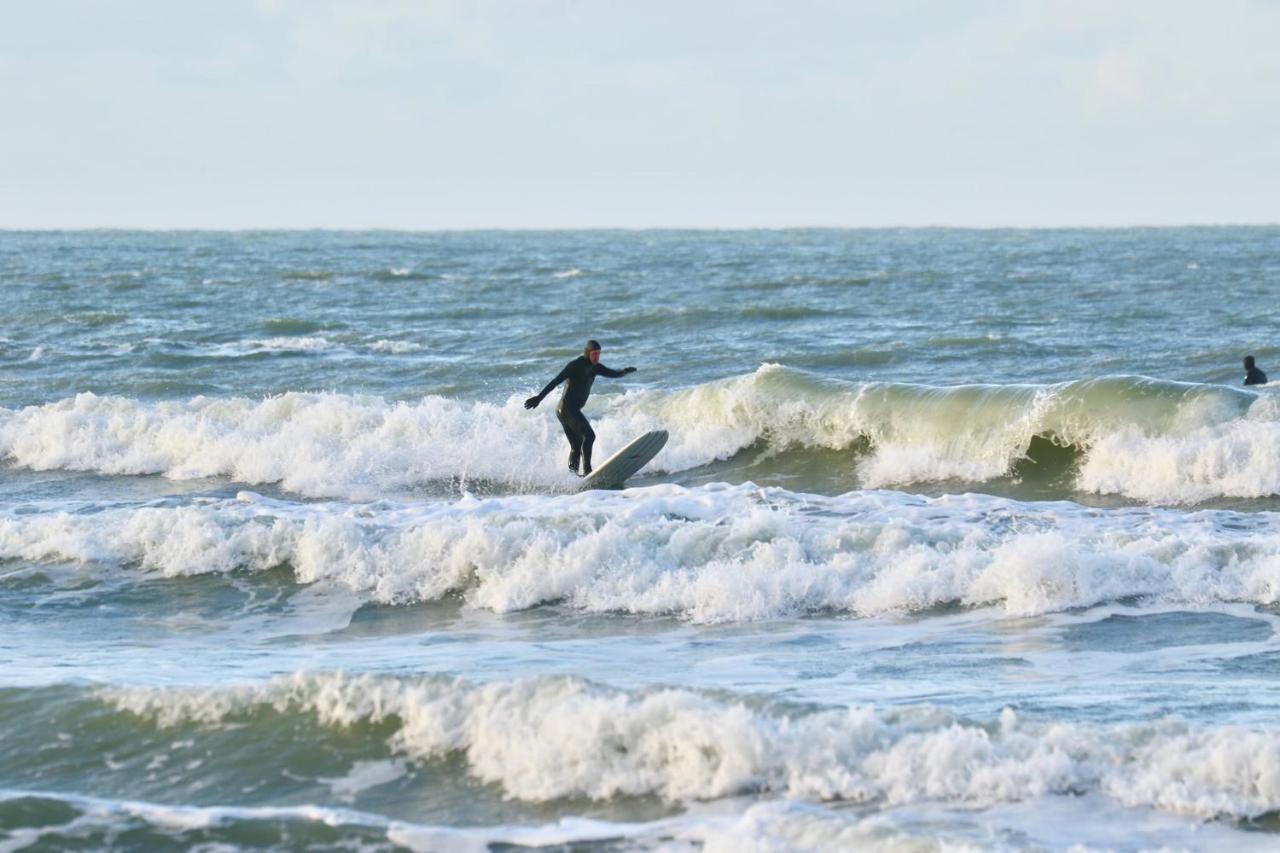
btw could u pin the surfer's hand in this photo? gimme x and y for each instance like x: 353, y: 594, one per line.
x: 628, y: 370
x: 532, y: 402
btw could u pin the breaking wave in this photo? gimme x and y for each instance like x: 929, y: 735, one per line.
x: 708, y: 554
x: 554, y: 738
x: 1145, y: 439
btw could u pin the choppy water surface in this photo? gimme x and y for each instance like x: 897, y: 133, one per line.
x: 961, y: 540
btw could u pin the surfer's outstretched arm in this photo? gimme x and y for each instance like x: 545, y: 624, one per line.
x: 532, y: 402
x: 601, y: 370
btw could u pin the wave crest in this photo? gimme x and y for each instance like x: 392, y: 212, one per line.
x: 552, y: 738
x: 1146, y: 439
x: 711, y: 554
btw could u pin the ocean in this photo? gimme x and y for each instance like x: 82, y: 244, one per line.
x: 963, y: 540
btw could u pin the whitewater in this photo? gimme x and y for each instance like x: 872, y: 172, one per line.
x: 963, y: 540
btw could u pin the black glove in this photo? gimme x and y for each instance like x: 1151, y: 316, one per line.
x: 628, y: 370
x: 532, y: 402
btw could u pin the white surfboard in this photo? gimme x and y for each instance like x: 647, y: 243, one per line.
x: 626, y: 462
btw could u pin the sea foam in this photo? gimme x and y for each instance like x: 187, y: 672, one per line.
x: 553, y: 738
x: 1155, y: 441
x: 708, y: 554
x: 765, y: 826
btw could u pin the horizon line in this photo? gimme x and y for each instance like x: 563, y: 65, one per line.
x: 530, y: 229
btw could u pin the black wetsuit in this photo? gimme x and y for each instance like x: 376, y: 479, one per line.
x: 578, y: 375
x: 1254, y: 376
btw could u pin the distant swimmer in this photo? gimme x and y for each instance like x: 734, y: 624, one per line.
x: 1252, y: 375
x: 578, y: 375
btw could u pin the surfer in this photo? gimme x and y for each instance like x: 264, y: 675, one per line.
x: 578, y: 376
x: 1252, y: 375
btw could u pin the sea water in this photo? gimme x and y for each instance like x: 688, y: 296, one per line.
x: 962, y: 540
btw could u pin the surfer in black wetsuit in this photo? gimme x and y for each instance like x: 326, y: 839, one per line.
x: 1252, y: 375
x: 578, y: 376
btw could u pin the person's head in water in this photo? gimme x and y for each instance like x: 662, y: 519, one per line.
x: 592, y: 351
x: 1252, y: 375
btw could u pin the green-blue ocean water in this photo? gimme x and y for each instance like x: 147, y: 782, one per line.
x: 962, y: 538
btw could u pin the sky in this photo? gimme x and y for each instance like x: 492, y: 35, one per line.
x: 450, y: 114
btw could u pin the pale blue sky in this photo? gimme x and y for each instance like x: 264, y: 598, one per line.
x: 561, y: 113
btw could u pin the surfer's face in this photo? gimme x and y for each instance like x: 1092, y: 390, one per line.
x: 594, y: 355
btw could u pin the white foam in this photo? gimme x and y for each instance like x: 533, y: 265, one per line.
x: 766, y: 826
x: 394, y: 347
x: 102, y: 814
x: 1157, y: 441
x: 316, y: 444
x: 1161, y: 442
x: 554, y: 738
x: 257, y: 346
x: 709, y: 554
x: 365, y: 775
x: 1239, y: 459
x: 287, y: 343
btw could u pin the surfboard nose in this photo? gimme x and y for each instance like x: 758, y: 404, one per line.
x: 626, y: 462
